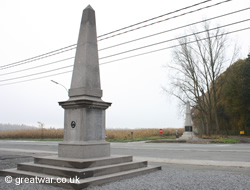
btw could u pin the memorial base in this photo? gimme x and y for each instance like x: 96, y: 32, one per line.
x: 188, y: 136
x: 80, y: 173
x: 84, y: 150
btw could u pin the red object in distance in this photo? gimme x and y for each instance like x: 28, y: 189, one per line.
x: 161, y: 131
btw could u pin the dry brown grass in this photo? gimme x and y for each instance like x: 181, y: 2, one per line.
x: 110, y: 133
x: 32, y: 134
x: 140, y: 133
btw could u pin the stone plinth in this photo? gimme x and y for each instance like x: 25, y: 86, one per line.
x: 84, y: 129
x: 188, y: 136
x: 84, y: 150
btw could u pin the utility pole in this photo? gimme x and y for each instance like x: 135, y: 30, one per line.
x: 41, y: 125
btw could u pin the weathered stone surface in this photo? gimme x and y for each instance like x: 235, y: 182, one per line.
x: 97, y: 176
x: 86, y: 67
x: 89, y: 124
x: 188, y: 134
x: 84, y: 117
x: 81, y: 163
x: 188, y: 119
x: 86, y: 149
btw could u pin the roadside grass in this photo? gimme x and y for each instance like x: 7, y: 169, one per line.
x: 21, y: 139
x: 129, y: 135
x: 212, y: 137
x: 220, y: 139
x: 226, y: 140
x: 141, y: 139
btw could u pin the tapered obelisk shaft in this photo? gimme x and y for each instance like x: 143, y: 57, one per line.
x: 188, y: 119
x: 86, y: 77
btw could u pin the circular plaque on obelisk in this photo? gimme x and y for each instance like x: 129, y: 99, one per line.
x: 73, y: 124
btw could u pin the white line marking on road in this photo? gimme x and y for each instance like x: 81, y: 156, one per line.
x: 194, y: 162
x: 223, y: 145
x: 27, y: 151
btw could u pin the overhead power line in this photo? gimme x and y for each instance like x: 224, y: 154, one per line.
x: 135, y: 48
x: 36, y: 73
x: 36, y: 78
x: 173, y: 29
x: 150, y: 45
x: 154, y: 18
x: 38, y: 66
x: 145, y: 53
x: 154, y: 44
x: 149, y: 52
x: 157, y: 22
x: 209, y: 19
x: 35, y: 59
x: 45, y: 55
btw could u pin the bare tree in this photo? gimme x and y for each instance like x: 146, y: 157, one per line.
x: 197, y: 62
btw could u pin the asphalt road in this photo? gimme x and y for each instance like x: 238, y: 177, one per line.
x: 171, y: 177
x: 177, y: 153
x: 184, y: 166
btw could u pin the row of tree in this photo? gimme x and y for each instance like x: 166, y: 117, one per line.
x: 234, y: 100
x: 13, y: 127
x: 220, y: 100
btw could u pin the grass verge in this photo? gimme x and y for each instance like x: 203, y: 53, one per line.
x: 141, y: 139
x: 21, y: 139
x: 109, y: 140
x: 226, y: 140
x: 222, y: 140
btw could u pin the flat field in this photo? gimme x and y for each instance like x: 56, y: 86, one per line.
x: 120, y: 135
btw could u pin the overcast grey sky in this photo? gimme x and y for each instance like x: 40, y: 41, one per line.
x: 134, y: 86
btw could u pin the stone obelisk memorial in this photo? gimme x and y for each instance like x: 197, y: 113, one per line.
x: 84, y: 120
x: 188, y: 133
x: 84, y: 154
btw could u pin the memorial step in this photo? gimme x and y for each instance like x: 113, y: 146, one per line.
x: 81, y: 173
x: 83, y: 183
x: 81, y: 163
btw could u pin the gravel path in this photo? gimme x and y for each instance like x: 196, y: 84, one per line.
x: 172, y: 177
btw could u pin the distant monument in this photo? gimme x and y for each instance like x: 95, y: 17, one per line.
x: 188, y: 134
x: 84, y: 154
